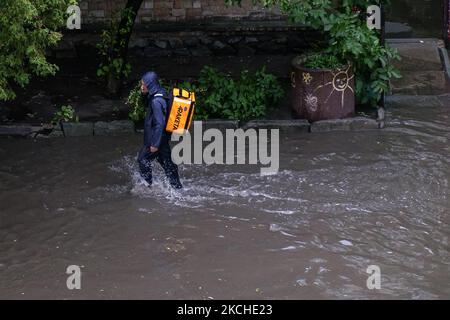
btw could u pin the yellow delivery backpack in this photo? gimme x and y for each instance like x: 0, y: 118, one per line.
x: 181, y: 111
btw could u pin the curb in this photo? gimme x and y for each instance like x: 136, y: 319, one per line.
x: 283, y: 125
x: 117, y: 127
x: 445, y: 61
x: 22, y: 130
x: 398, y: 101
x: 127, y: 127
x: 348, y: 124
x: 78, y: 129
x: 218, y: 124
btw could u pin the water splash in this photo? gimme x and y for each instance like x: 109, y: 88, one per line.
x: 206, y: 187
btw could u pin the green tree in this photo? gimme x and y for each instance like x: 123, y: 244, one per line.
x: 27, y: 29
x: 114, y: 48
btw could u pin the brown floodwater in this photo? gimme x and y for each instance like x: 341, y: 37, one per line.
x: 340, y: 203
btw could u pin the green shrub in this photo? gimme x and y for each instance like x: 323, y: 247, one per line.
x: 220, y: 96
x: 137, y: 102
x: 137, y: 105
x: 65, y: 114
x: 109, y: 49
x: 322, y: 61
x: 28, y: 29
x: 248, y: 97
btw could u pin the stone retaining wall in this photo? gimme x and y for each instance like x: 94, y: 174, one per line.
x: 198, y: 40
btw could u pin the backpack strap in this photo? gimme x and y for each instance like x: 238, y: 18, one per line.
x: 160, y: 95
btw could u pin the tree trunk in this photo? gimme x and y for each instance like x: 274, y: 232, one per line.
x: 114, y: 84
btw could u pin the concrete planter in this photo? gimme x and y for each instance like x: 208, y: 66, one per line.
x: 322, y: 94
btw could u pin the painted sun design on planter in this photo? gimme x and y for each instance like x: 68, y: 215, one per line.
x: 307, y: 78
x: 311, y: 102
x: 340, y: 83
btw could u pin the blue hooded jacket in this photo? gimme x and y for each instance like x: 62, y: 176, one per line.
x: 155, y: 119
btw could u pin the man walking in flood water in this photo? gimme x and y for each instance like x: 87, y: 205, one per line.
x: 156, y: 139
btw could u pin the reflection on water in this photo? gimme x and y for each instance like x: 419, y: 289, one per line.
x: 341, y: 202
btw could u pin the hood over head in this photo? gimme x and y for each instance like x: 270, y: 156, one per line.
x: 150, y: 79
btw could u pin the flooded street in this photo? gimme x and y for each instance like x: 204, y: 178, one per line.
x: 341, y: 202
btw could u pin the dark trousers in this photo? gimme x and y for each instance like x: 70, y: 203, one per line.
x: 163, y: 156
